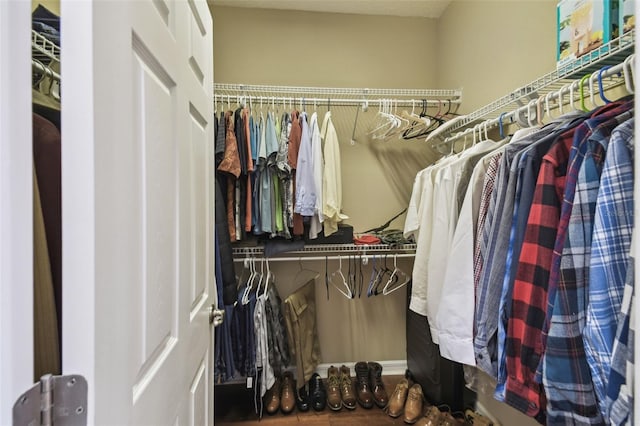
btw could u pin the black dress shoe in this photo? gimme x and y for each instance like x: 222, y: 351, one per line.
x: 302, y: 399
x: 317, y: 392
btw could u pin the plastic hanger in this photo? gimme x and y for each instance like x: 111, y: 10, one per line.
x: 600, y: 86
x: 628, y: 71
x: 397, y: 280
x: 372, y: 278
x: 380, y: 279
x: 530, y: 121
x: 501, y: 125
x: 582, y: 104
x: 338, y: 276
x: 306, y: 274
x: 270, y: 277
x: 539, y: 111
x: 546, y: 104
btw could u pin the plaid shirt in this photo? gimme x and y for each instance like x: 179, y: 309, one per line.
x: 488, y: 295
x: 576, y: 156
x: 529, y: 302
x: 618, y: 393
x: 567, y: 379
x: 612, y: 230
x: 485, y: 200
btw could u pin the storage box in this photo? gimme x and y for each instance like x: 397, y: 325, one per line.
x: 627, y: 15
x: 583, y: 27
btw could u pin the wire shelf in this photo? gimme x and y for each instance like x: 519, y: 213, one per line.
x: 332, y: 248
x: 611, y: 53
x: 246, y: 89
x: 43, y: 49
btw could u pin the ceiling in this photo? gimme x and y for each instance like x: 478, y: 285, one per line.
x: 415, y: 8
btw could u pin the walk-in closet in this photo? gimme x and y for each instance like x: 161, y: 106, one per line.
x: 237, y: 212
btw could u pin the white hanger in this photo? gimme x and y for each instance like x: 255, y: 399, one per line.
x: 395, y: 275
x: 270, y: 277
x: 628, y: 68
x: 342, y: 281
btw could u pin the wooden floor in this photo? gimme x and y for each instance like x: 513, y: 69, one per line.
x: 234, y: 407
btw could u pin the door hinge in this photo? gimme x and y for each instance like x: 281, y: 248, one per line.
x: 54, y: 400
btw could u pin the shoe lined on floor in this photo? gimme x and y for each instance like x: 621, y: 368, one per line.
x: 413, y: 405
x: 365, y: 397
x: 288, y: 393
x: 302, y: 399
x: 317, y: 392
x: 477, y: 419
x: 395, y: 407
x: 334, y: 400
x: 346, y: 388
x: 432, y: 417
x: 272, y: 397
x: 375, y: 379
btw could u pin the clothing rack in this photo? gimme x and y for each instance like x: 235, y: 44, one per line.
x: 327, y: 96
x: 552, y: 86
x: 364, y: 256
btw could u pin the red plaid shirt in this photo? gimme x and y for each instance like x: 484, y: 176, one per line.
x: 524, y: 333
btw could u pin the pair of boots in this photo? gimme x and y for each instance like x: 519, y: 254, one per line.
x: 369, y: 385
x: 406, y: 400
x: 281, y: 396
x: 340, y: 388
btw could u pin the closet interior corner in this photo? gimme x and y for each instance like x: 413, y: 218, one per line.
x: 469, y: 240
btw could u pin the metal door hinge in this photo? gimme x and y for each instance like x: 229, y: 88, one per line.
x: 216, y: 316
x: 54, y: 400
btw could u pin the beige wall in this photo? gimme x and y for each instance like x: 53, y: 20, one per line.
x: 490, y: 48
x: 290, y: 48
x: 52, y: 5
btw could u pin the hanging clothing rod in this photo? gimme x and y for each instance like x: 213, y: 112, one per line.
x: 542, y: 103
x: 389, y: 256
x: 297, y: 91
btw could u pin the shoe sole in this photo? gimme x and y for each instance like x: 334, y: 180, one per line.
x: 365, y: 405
x: 338, y: 408
x: 349, y: 407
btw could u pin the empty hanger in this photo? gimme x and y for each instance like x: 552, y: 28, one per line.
x: 600, y: 86
x: 338, y: 280
x: 397, y: 280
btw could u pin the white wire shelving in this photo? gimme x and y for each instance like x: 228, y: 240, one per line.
x: 609, y: 54
x: 44, y: 49
x: 247, y: 93
x: 405, y: 250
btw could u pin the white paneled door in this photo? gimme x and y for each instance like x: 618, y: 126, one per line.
x: 137, y: 179
x: 16, y: 214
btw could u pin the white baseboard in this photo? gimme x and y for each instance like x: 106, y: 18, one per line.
x: 480, y: 408
x: 389, y: 367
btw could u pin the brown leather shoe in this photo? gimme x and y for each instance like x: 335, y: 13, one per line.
x: 334, y: 400
x: 413, y: 406
x: 272, y: 397
x: 365, y: 396
x: 431, y: 418
x: 375, y: 379
x: 395, y: 407
x: 449, y: 420
x: 288, y: 395
x: 346, y: 388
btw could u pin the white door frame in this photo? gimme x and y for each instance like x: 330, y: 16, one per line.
x: 16, y: 206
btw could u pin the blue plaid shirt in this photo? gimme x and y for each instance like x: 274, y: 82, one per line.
x: 566, y: 376
x: 612, y: 231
